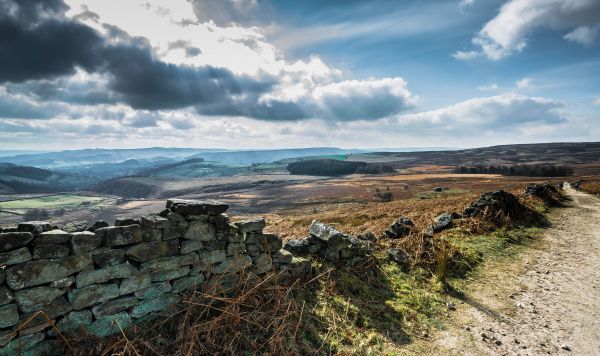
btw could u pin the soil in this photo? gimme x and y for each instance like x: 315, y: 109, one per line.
x: 547, y: 302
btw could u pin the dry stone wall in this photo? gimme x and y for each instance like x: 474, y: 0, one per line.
x: 108, y: 275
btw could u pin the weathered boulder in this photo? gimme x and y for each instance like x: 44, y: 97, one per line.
x: 233, y: 264
x: 212, y: 256
x: 170, y: 274
x: 442, y: 222
x: 98, y: 225
x: 75, y: 319
x: 76, y: 226
x: 6, y: 296
x: 235, y: 248
x: 136, y: 282
x: 106, y: 257
x: 120, y: 235
x: 154, y: 221
x: 151, y: 250
x: 109, y: 325
x: 47, y: 251
x: 282, y: 256
x: 63, y: 283
x: 491, y: 204
x: 154, y: 290
x: 300, y: 247
x: 92, y: 295
x: 400, y: 228
x: 438, y: 189
x: 167, y: 263
x: 148, y: 306
x: 84, y: 241
x: 13, y: 240
x: 38, y: 272
x: 400, y: 257
x: 34, y: 227
x: 196, y: 207
x: 9, y: 315
x: 271, y: 242
x: 199, y: 230
x: 55, y: 236
x: 548, y: 193
x: 114, y: 306
x: 14, y: 257
x: 254, y: 225
x: 323, y: 232
x: 35, y: 298
x: 151, y: 235
x: 262, y: 263
x: 183, y: 284
x: 188, y: 246
x: 86, y: 278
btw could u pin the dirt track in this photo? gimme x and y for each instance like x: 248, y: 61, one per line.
x: 547, y: 303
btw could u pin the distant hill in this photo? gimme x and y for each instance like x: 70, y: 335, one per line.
x: 22, y: 179
x: 197, y: 168
x: 266, y: 156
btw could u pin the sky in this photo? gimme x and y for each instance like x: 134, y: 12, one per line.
x: 245, y: 74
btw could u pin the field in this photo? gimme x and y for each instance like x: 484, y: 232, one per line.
x: 59, y: 204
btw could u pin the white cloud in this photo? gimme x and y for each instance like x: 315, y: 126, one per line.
x: 463, y: 4
x: 507, y: 33
x: 585, y: 35
x: 490, y: 87
x: 466, y: 55
x: 501, y: 112
x: 597, y: 101
x: 525, y: 83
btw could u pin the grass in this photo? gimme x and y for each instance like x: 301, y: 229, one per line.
x: 55, y: 202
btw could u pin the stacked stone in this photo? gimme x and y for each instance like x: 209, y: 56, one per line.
x: 329, y: 243
x: 109, y: 278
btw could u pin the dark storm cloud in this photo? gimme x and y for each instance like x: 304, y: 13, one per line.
x: 57, y: 46
x: 190, y: 51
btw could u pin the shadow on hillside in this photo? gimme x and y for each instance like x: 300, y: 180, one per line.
x: 347, y: 304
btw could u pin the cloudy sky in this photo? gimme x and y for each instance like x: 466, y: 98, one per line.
x: 288, y: 73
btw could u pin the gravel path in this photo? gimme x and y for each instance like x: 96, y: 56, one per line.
x: 547, y: 303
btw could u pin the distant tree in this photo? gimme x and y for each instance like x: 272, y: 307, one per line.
x: 536, y: 170
x: 332, y: 167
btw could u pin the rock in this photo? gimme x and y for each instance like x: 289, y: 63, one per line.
x: 151, y: 235
x: 9, y: 315
x: 120, y: 235
x: 400, y: 228
x: 170, y: 274
x: 254, y: 225
x: 148, y: 306
x: 76, y: 226
x: 199, y: 230
x: 491, y: 204
x: 451, y: 306
x: 63, y: 283
x: 565, y: 347
x: 15, y: 257
x: 233, y: 264
x: 98, y: 225
x: 13, y: 240
x: 282, y: 256
x: 182, y: 285
x: 442, y: 222
x: 34, y: 298
x: 75, y: 319
x: 38, y: 319
x: 6, y: 295
x: 196, y: 207
x: 126, y: 222
x: 84, y: 241
x: 48, y: 251
x: 300, y: 267
x: 400, y: 257
x: 34, y: 227
x: 298, y: 247
x: 234, y: 248
x: 91, y: 295
x: 136, y: 282
x: 151, y: 250
x: 548, y: 193
x: 107, y: 257
x: 166, y: 263
x: 214, y: 256
x: 114, y: 306
x: 109, y: 325
x: 154, y: 290
x: 223, y: 283
x: 270, y: 241
x: 438, y: 189
x: 33, y: 273
x: 55, y: 236
x: 154, y: 222
x: 23, y: 345
x: 86, y: 278
x: 188, y: 246
x: 173, y: 232
x: 263, y: 263
x: 2, y: 275
x: 368, y: 236
x: 323, y: 232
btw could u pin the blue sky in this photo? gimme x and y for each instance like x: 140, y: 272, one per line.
x: 265, y: 74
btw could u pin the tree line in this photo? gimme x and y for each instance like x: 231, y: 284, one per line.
x: 535, y: 170
x: 333, y: 167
